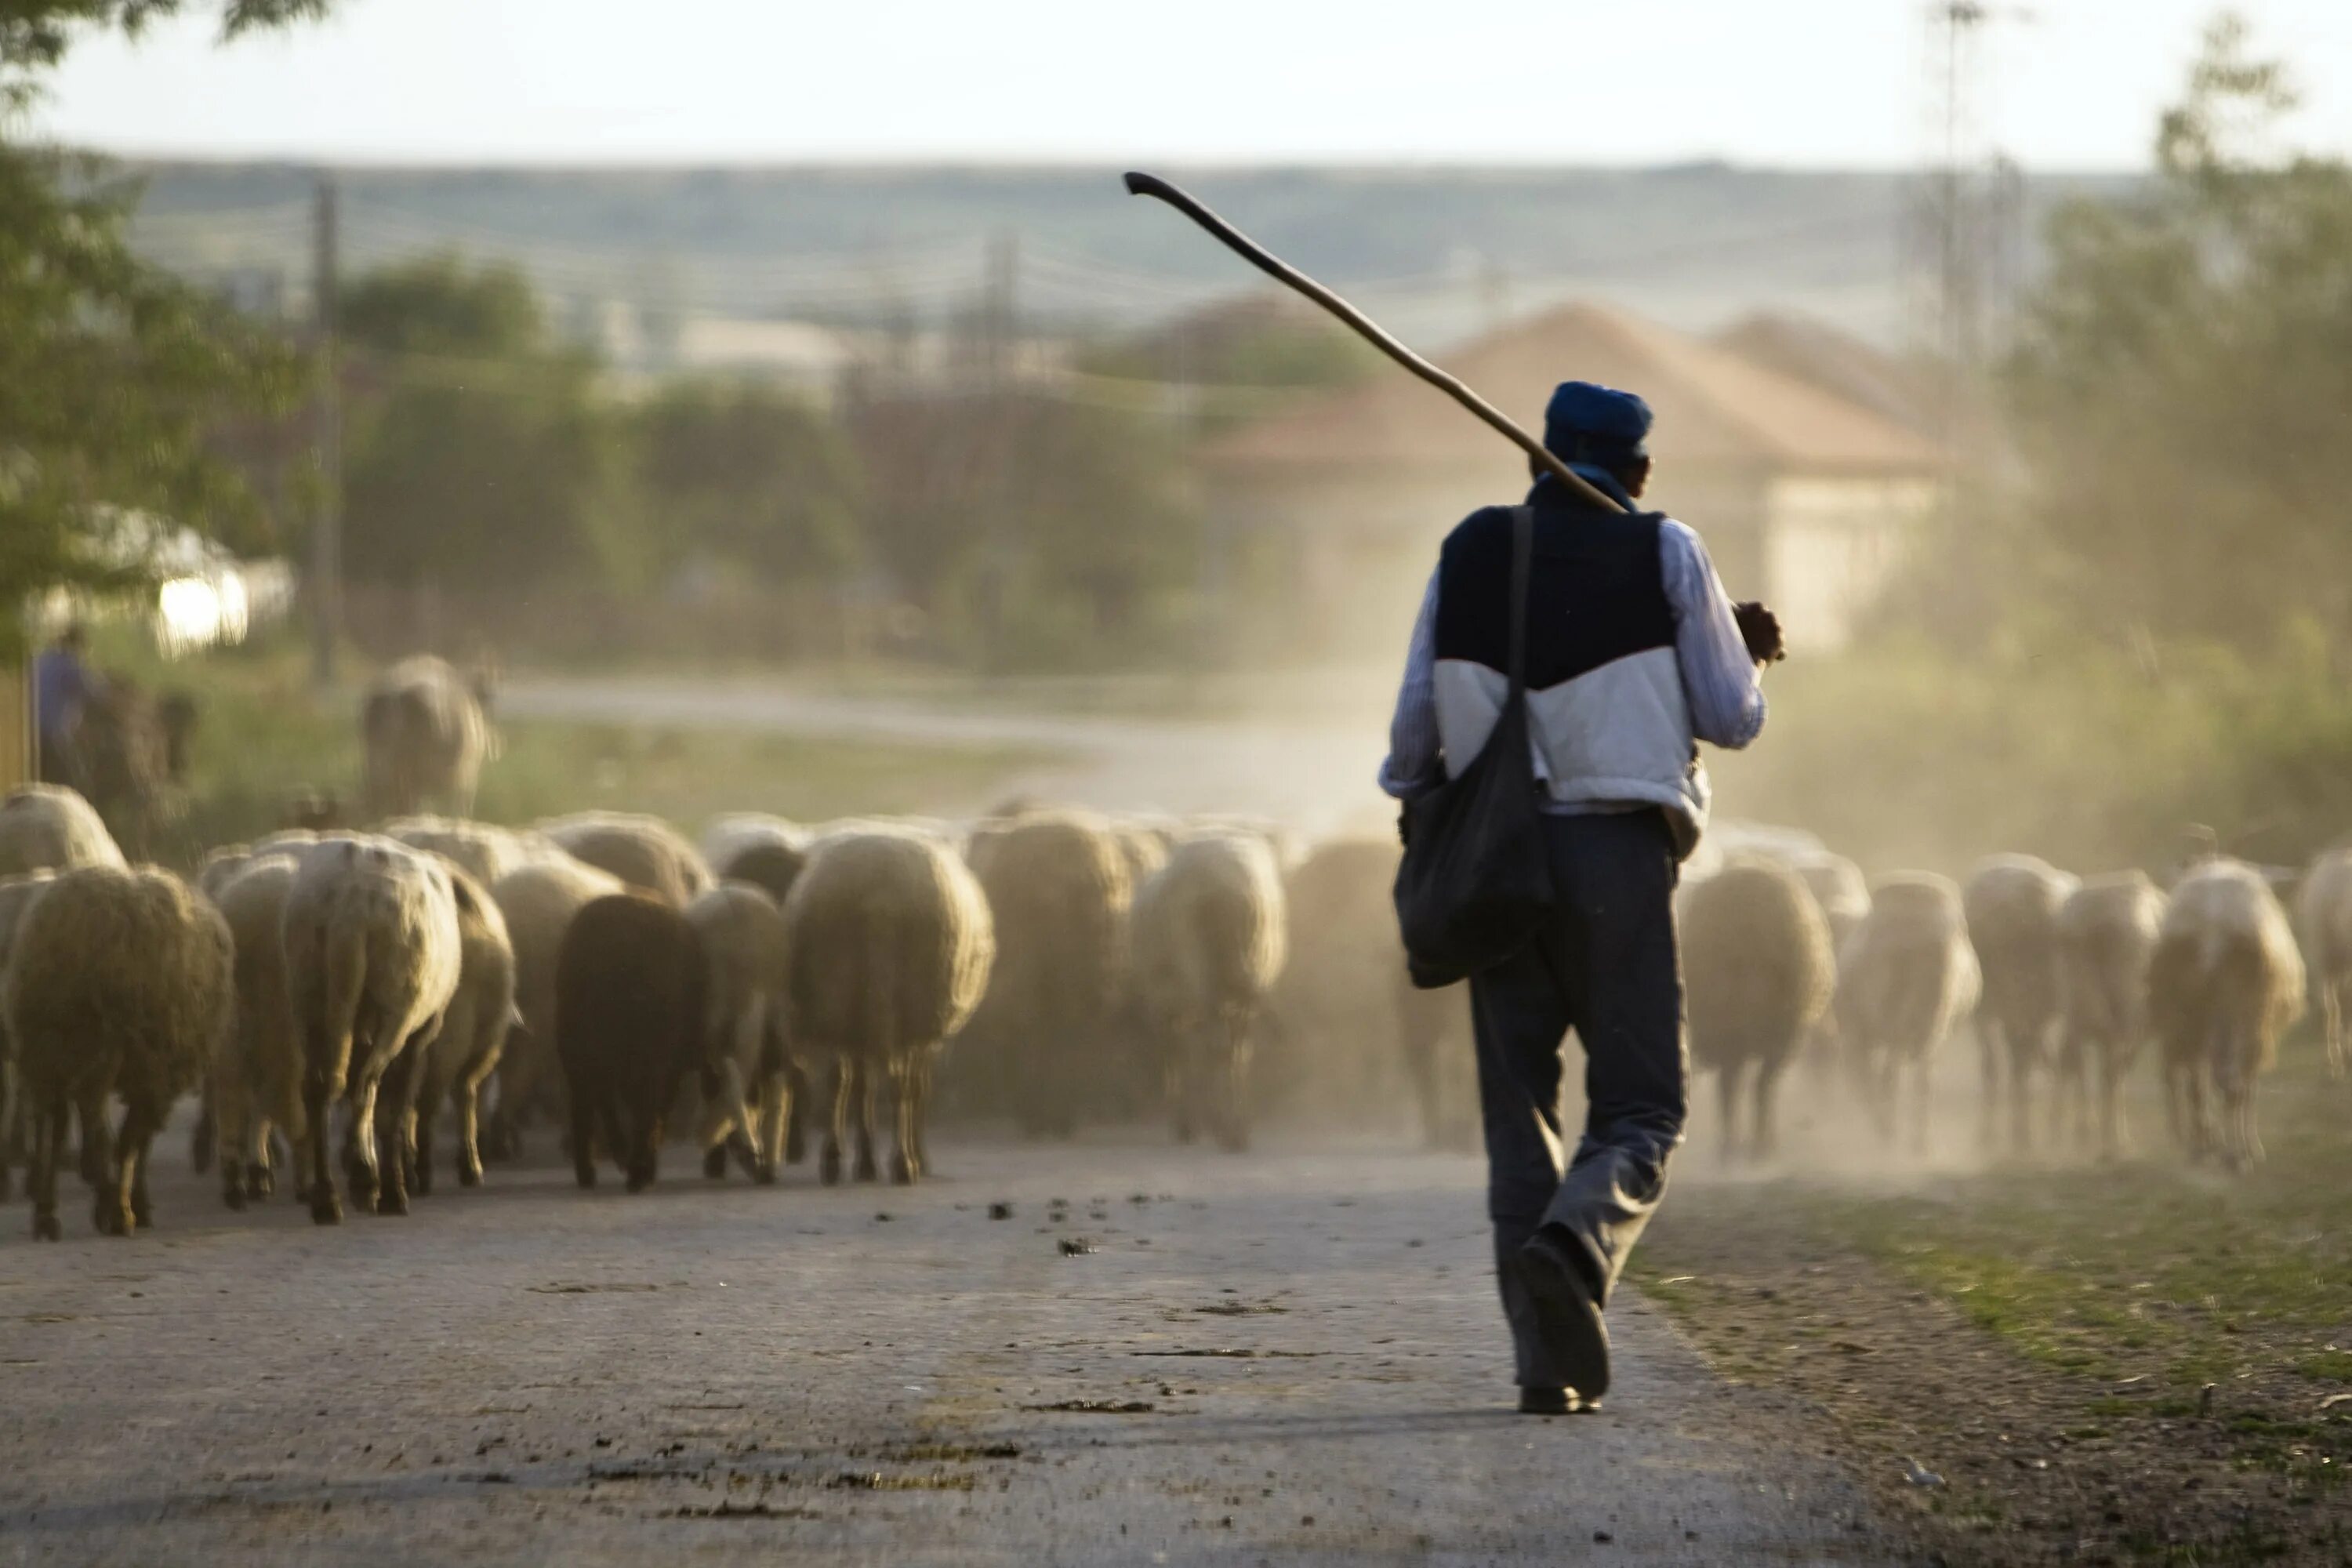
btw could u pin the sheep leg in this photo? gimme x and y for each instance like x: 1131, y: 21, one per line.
x: 1923, y: 1097
x: 583, y: 1139
x: 1988, y: 1054
x: 795, y: 1102
x: 202, y: 1140
x: 466, y: 1100
x: 11, y: 1111
x: 925, y: 1062
x: 2331, y: 1017
x: 904, y: 1168
x: 1180, y: 1088
x: 1767, y: 1141
x: 48, y: 1146
x: 141, y: 1122
x: 728, y: 1122
x: 97, y: 1145
x: 836, y: 1120
x: 868, y: 1088
x: 780, y: 1109
x: 1230, y: 1083
x: 1727, y: 1098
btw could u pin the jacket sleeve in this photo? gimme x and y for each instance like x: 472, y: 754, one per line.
x: 1414, y: 766
x: 1719, y: 679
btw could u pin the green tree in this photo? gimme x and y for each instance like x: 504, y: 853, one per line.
x: 2183, y: 394
x: 479, y: 451
x: 751, y: 477
x: 112, y: 373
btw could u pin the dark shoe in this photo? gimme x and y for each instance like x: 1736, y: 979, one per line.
x: 1555, y: 1273
x: 1545, y: 1401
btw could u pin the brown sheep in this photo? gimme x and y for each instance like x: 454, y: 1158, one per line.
x: 1211, y: 932
x: 2225, y: 983
x: 888, y: 942
x: 1058, y: 888
x: 16, y: 895
x: 1760, y: 971
x: 2011, y: 903
x: 646, y: 852
x: 426, y: 734
x: 2107, y: 931
x: 629, y: 1027
x: 1906, y: 980
x: 373, y: 952
x: 117, y: 984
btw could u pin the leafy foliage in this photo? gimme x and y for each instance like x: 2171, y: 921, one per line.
x: 113, y: 374
x: 2184, y: 393
x: 752, y: 477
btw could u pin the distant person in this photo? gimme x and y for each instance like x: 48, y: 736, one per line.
x: 63, y: 686
x: 1634, y: 653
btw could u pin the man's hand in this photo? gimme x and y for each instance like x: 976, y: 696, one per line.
x: 1759, y: 628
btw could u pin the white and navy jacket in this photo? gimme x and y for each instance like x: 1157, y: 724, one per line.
x: 1634, y: 656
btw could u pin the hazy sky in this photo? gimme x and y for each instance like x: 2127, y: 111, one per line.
x: 2067, y: 83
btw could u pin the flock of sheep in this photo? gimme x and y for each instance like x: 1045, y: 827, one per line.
x: 330, y: 995
x: 1795, y: 957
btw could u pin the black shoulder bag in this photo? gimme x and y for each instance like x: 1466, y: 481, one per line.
x: 1475, y: 879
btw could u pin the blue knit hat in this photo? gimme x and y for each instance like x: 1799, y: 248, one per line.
x: 1588, y: 422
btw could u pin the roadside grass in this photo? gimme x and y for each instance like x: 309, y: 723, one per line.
x: 2136, y: 1361
x: 265, y: 736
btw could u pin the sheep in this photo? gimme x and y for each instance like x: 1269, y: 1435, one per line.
x: 2324, y: 922
x: 426, y: 734
x: 117, y: 984
x: 256, y: 1080
x: 465, y: 1050
x: 889, y: 943
x: 2106, y: 934
x: 2011, y: 903
x: 539, y: 901
x: 1441, y: 1058
x: 629, y: 1026
x: 1840, y: 888
x: 1211, y: 932
x: 16, y: 896
x: 1906, y: 980
x: 646, y: 852
x: 737, y: 834
x: 1760, y: 969
x: 51, y: 828
x: 2225, y: 981
x: 372, y: 957
x: 1336, y: 1038
x: 484, y: 850
x: 742, y: 934
x: 1057, y: 886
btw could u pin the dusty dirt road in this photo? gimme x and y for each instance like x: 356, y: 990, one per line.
x: 1287, y: 1357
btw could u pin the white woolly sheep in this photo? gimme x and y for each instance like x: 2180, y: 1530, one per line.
x: 484, y: 850
x: 373, y: 955
x: 2324, y: 922
x: 644, y: 852
x: 117, y: 984
x: 257, y: 1082
x: 1209, y: 933
x: 539, y: 901
x: 1906, y: 980
x: 1058, y: 888
x: 2011, y: 902
x: 743, y: 947
x: 2106, y: 935
x: 50, y: 827
x: 465, y: 1050
x: 2225, y: 983
x: 889, y: 945
x: 426, y: 737
x: 1759, y: 970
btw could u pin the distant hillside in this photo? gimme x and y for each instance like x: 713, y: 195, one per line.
x: 1443, y: 252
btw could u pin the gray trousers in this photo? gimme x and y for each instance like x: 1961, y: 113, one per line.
x: 1604, y: 965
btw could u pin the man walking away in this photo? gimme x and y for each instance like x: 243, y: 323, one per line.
x: 1634, y: 653
x: 62, y: 687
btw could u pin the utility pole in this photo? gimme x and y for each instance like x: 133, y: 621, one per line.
x: 327, y: 433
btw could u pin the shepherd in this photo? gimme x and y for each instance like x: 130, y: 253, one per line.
x: 1633, y: 654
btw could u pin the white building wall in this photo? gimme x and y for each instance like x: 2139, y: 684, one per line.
x: 1833, y: 547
